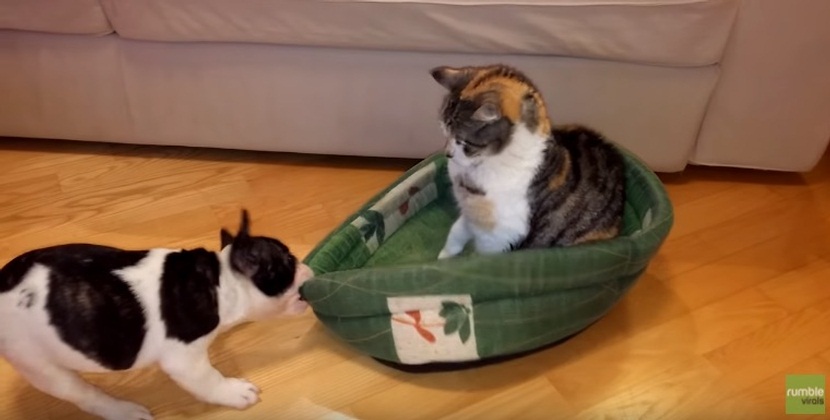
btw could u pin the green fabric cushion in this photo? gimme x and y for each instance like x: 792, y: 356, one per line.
x: 379, y: 287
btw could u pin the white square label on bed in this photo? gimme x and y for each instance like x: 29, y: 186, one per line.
x: 438, y: 328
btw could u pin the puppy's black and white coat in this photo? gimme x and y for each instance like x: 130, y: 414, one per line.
x: 92, y: 308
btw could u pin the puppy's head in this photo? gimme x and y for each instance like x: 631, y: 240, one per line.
x: 270, y: 266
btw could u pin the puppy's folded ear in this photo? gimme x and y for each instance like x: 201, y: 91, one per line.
x: 226, y: 238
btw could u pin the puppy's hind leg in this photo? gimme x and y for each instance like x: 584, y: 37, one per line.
x: 67, y: 385
x: 189, y: 366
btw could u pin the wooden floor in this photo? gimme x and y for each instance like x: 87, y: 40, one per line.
x: 738, y: 297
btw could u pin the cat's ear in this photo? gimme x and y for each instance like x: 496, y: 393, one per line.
x: 244, y: 225
x: 226, y: 238
x: 530, y: 111
x: 451, y: 78
x: 487, y: 112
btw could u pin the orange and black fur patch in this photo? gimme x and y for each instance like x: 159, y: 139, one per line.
x: 577, y: 195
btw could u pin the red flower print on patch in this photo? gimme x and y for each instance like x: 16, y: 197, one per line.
x: 404, y: 208
x: 415, y: 320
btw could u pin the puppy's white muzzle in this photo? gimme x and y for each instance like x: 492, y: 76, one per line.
x: 296, y: 305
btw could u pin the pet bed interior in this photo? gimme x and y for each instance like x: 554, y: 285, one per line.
x: 379, y: 287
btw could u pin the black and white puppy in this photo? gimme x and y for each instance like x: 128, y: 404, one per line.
x: 93, y: 308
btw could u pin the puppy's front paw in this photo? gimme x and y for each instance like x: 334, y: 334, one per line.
x: 236, y: 393
x: 444, y: 254
x: 122, y: 410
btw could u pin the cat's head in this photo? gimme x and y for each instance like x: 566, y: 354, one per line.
x: 483, y: 107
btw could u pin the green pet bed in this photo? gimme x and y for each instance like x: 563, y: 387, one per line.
x: 379, y: 287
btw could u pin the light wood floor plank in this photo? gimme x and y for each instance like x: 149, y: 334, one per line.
x: 671, y: 345
x: 798, y: 289
x: 764, y: 400
x: 751, y: 358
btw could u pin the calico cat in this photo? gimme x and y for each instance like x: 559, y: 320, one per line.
x: 519, y: 181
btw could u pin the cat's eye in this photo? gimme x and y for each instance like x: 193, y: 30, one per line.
x: 467, y: 144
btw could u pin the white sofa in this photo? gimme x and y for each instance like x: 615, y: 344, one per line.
x: 741, y: 83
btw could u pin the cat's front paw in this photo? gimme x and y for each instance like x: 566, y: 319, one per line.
x: 235, y: 393
x: 444, y: 254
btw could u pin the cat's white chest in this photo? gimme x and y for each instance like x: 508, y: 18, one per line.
x: 493, y: 194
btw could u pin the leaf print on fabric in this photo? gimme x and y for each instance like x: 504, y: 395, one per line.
x: 404, y: 207
x: 458, y: 319
x: 375, y: 226
x: 464, y: 332
x: 420, y: 332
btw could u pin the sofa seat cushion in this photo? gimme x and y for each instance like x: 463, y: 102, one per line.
x: 65, y: 16
x: 669, y: 32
